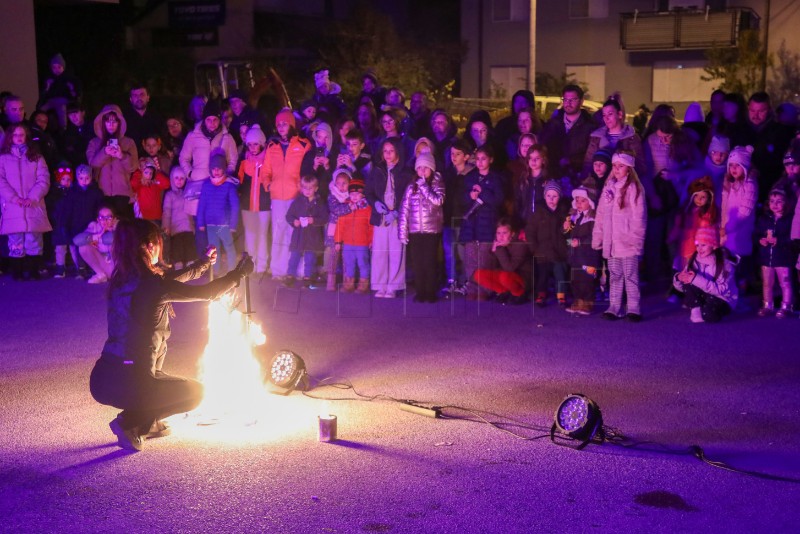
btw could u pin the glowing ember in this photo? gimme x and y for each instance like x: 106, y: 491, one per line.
x: 236, y: 406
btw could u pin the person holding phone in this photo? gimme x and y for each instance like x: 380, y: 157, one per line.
x: 113, y: 158
x: 319, y: 162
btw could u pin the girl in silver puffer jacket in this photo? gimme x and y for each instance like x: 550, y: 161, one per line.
x: 420, y: 226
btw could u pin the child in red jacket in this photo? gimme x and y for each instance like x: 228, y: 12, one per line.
x: 148, y: 185
x: 354, y: 234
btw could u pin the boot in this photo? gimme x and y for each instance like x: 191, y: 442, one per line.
x: 35, y: 267
x: 16, y: 267
x: 363, y: 286
x: 349, y: 284
x: 331, y: 286
x: 767, y: 309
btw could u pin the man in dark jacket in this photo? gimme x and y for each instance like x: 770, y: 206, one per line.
x: 141, y: 120
x: 566, y: 135
x: 243, y: 114
x: 76, y: 137
x: 770, y: 141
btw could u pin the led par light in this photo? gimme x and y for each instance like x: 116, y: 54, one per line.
x: 578, y: 417
x: 287, y: 372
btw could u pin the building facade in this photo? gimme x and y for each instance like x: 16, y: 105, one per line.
x: 652, y: 51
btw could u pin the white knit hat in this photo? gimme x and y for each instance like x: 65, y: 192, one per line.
x: 255, y: 135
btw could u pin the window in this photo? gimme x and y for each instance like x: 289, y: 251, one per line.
x: 508, y: 80
x: 679, y: 81
x: 592, y: 76
x: 510, y: 10
x: 588, y: 9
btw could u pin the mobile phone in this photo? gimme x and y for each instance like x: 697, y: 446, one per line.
x: 320, y: 151
x: 113, y: 142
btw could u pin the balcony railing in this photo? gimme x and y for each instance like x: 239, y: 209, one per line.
x: 684, y: 30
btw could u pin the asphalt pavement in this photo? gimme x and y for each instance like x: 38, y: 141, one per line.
x: 663, y: 385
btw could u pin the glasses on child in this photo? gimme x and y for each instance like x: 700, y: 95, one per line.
x: 105, y: 217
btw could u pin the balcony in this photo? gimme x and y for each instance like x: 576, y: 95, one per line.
x: 684, y: 30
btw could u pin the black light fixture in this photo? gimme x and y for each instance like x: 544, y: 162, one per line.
x: 287, y: 372
x: 578, y: 417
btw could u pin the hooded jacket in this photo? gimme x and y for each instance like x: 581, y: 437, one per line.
x: 21, y: 178
x: 113, y: 175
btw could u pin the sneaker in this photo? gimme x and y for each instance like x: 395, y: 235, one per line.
x: 98, y: 279
x: 783, y: 313
x: 610, y: 316
x: 127, y: 439
x: 503, y: 298
x: 696, y: 315
x: 159, y: 429
x: 634, y: 317
x: 59, y: 271
x: 380, y: 294
x: 540, y: 300
x: 764, y: 312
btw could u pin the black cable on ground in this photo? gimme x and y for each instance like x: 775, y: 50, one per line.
x: 610, y: 435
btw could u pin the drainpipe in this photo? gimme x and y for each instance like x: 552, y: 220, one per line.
x: 532, y: 49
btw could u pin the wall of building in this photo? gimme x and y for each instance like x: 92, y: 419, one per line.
x: 563, y: 41
x: 235, y: 36
x: 18, y: 54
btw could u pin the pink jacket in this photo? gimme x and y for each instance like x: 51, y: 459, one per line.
x: 619, y: 232
x: 738, y: 215
x: 21, y: 178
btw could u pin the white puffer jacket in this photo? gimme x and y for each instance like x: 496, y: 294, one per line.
x: 619, y: 232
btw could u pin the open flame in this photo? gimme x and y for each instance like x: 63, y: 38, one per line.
x: 236, y: 406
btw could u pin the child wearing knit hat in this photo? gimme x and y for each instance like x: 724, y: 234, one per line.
x: 619, y: 231
x: 700, y: 211
x: 738, y: 213
x: 338, y: 205
x: 545, y: 234
x: 708, y: 281
x: 255, y: 199
x: 420, y: 226
x: 583, y: 260
x: 218, y: 209
x: 775, y: 253
x: 716, y: 164
x: 354, y: 236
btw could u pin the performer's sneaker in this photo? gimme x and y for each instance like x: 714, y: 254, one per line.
x: 128, y: 439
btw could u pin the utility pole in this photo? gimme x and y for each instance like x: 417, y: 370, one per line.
x: 532, y: 49
x: 766, y: 46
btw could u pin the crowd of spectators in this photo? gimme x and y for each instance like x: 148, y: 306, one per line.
x: 371, y: 195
